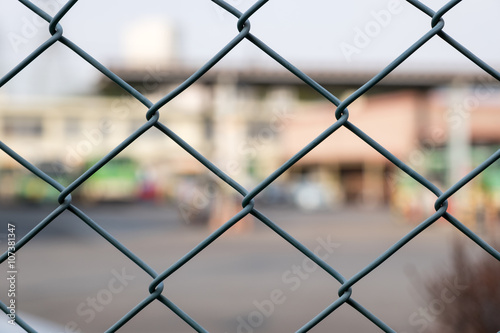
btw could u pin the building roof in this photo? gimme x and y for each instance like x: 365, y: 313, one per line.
x: 261, y: 76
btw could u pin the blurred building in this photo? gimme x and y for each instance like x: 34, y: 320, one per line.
x: 249, y: 122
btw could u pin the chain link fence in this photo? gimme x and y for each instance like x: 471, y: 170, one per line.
x: 247, y: 196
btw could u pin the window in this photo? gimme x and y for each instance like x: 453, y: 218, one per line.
x: 23, y: 126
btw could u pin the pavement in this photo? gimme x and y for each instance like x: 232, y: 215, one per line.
x: 246, y: 281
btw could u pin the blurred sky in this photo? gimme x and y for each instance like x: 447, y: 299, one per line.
x: 308, y: 33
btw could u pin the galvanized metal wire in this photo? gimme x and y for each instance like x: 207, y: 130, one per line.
x: 247, y: 196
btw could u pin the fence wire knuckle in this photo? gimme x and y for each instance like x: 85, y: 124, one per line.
x: 152, y: 115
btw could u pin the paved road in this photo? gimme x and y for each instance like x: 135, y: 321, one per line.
x: 244, y: 282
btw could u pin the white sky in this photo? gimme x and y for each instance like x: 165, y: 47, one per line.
x: 308, y: 33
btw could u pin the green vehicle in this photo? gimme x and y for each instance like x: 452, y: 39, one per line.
x: 117, y: 181
x: 21, y: 185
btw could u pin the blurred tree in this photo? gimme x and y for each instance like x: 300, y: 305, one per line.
x: 469, y: 294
